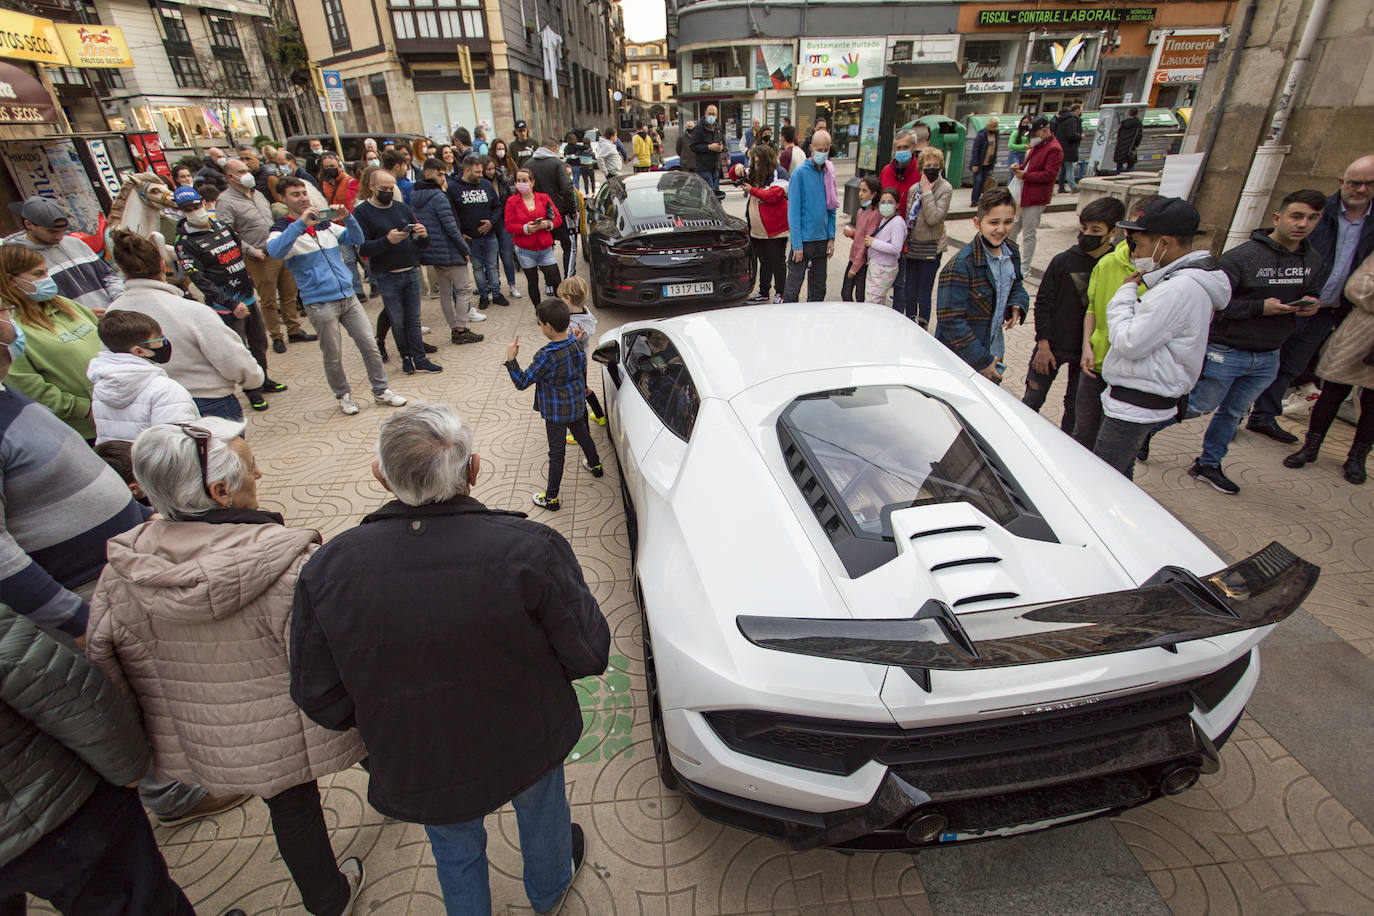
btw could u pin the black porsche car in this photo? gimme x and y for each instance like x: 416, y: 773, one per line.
x: 659, y: 238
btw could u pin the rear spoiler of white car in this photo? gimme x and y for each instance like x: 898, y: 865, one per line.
x: 1173, y: 606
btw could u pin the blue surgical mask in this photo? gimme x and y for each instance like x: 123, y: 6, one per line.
x: 819, y: 156
x: 43, y: 289
x: 887, y: 208
x: 903, y: 156
x: 20, y: 341
x: 710, y: 119
x: 866, y: 203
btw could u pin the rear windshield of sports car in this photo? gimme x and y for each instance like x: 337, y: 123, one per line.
x: 879, y: 449
x: 672, y: 196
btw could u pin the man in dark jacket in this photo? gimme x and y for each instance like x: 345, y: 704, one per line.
x: 553, y: 177
x: 1275, y: 278
x: 71, y: 744
x: 523, y: 146
x: 212, y: 169
x: 1128, y: 137
x: 447, y: 251
x: 478, y: 206
x: 686, y: 159
x: 1068, y: 130
x: 984, y: 157
x: 458, y: 676
x: 1344, y: 237
x: 1060, y: 303
x: 706, y: 143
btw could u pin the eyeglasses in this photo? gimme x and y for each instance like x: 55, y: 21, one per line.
x: 201, y: 437
x: 1366, y: 185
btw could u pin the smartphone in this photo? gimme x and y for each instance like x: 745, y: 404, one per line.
x: 1299, y: 303
x: 326, y: 214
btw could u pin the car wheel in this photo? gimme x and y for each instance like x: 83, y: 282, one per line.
x: 656, y: 729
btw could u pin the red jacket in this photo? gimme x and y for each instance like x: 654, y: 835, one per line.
x: 772, y: 205
x: 1042, y: 170
x: 889, y: 179
x: 517, y: 215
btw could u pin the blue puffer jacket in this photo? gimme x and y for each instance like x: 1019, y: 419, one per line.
x: 432, y: 207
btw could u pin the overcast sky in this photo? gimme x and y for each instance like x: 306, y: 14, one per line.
x: 644, y: 19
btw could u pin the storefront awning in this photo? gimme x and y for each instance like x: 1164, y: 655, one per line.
x: 23, y: 100
x: 916, y: 75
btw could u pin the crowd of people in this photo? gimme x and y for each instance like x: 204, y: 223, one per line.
x: 165, y: 643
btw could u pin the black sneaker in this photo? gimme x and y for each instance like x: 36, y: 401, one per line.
x: 552, y: 503
x: 302, y: 337
x: 596, y: 469
x: 483, y: 303
x: 579, y: 855
x: 272, y: 386
x: 465, y: 336
x: 1272, y: 430
x: 430, y: 348
x: 499, y: 299
x: 278, y: 345
x: 256, y: 400
x: 424, y: 365
x: 1218, y: 480
x: 407, y: 365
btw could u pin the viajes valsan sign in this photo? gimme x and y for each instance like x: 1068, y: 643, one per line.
x: 1074, y: 79
x: 839, y: 63
x: 1066, y: 17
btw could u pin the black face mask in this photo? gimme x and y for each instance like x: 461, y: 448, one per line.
x: 932, y: 174
x: 1090, y: 242
x: 329, y: 174
x: 385, y: 197
x: 162, y: 354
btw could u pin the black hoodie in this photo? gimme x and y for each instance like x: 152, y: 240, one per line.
x: 474, y: 202
x: 1061, y: 300
x: 1263, y: 269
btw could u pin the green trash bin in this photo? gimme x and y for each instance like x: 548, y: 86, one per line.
x: 947, y: 135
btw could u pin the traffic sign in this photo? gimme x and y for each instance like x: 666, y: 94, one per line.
x: 334, y: 91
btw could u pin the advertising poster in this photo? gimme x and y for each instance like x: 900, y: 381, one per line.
x: 869, y: 125
x: 53, y: 169
x: 840, y: 64
x: 773, y: 67
x: 95, y: 45
x: 104, y: 168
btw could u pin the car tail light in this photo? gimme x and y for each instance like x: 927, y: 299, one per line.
x: 622, y: 287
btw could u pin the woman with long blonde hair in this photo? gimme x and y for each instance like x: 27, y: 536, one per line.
x: 59, y: 339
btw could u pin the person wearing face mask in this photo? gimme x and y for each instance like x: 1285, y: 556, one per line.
x: 59, y: 335
x: 1060, y: 303
x: 213, y: 168
x: 531, y: 218
x: 984, y: 158
x: 1037, y: 184
x: 856, y: 272
x: 80, y: 274
x: 706, y: 143
x: 765, y: 210
x: 928, y: 204
x: 812, y: 200
x: 248, y: 213
x: 884, y: 248
x: 1159, y: 337
x: 644, y: 149
x: 130, y: 389
x: 902, y: 172
x: 211, y: 255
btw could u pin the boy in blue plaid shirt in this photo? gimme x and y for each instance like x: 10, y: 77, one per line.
x: 558, y: 373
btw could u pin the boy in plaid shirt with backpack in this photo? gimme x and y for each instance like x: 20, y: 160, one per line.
x: 558, y: 373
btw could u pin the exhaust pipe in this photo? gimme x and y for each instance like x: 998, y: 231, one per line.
x: 926, y: 828
x: 1179, y: 779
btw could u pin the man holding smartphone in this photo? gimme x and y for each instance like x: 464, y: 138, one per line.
x: 1275, y: 279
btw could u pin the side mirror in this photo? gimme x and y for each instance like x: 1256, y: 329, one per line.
x: 608, y: 353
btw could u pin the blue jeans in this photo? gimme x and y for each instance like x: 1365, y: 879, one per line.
x: 711, y: 177
x: 1066, y: 173
x: 545, y: 823
x: 486, y: 263
x: 1296, y: 353
x: 1231, y: 380
x: 401, y: 297
x: 227, y: 407
x: 507, y: 244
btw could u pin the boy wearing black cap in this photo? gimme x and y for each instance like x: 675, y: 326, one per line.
x: 1158, y: 338
x: 523, y: 146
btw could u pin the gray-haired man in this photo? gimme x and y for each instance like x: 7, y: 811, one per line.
x: 489, y: 647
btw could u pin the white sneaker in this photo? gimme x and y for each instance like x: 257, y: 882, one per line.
x: 348, y: 405
x: 387, y: 398
x: 352, y: 870
x: 515, y: 293
x: 474, y: 315
x: 424, y: 329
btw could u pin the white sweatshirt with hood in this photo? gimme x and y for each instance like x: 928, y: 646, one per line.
x: 1159, y: 339
x: 131, y: 394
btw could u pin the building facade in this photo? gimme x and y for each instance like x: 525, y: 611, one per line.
x: 552, y: 65
x: 650, y: 81
x: 800, y: 61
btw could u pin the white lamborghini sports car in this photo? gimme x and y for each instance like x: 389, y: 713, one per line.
x: 887, y: 606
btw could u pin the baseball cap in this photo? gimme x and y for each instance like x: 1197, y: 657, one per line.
x: 1166, y: 216
x: 521, y: 125
x: 42, y: 212
x: 183, y: 196
x: 1040, y: 123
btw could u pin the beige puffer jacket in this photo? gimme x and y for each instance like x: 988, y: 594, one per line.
x: 195, y: 619
x: 1343, y: 359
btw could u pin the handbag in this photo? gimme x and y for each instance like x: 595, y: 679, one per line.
x: 921, y: 251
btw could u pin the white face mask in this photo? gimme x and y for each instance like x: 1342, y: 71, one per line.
x: 246, y: 180
x: 887, y: 208
x: 198, y: 219
x: 1147, y: 264
x: 1036, y: 141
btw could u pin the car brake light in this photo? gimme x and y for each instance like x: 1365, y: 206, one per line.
x: 622, y: 287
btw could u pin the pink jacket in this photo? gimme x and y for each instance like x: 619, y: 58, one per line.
x: 864, y: 225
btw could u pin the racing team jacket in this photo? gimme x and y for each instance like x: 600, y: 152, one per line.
x: 213, y: 259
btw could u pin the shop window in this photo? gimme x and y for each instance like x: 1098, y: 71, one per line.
x: 336, y: 23
x: 187, y: 71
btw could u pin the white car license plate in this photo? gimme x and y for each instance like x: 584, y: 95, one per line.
x: 689, y: 289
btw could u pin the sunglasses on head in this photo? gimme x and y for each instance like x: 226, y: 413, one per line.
x: 201, y: 437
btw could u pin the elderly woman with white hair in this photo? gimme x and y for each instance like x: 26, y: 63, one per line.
x: 192, y: 616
